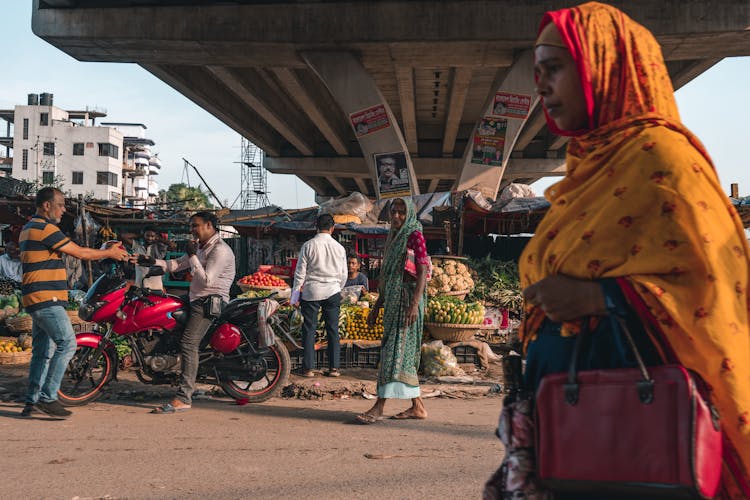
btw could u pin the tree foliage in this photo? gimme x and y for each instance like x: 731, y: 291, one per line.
x: 182, y: 196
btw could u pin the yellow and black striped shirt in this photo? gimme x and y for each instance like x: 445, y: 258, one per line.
x: 44, y: 277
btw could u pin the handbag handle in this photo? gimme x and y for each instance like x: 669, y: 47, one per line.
x: 645, y: 386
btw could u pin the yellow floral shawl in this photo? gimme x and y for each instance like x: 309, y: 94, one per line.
x: 641, y: 202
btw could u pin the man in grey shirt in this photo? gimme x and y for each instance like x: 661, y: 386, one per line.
x: 211, y: 262
x: 318, y: 279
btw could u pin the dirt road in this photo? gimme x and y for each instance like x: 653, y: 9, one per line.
x: 286, y: 448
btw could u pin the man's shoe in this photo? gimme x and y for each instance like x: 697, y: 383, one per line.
x: 53, y: 409
x: 304, y: 373
x: 333, y: 372
x: 27, y: 410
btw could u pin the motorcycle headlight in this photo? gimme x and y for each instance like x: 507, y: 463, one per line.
x: 87, y: 310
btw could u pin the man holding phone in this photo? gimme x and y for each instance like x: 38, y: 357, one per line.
x: 211, y: 262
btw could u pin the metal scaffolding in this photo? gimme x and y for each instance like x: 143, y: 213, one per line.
x: 254, y: 193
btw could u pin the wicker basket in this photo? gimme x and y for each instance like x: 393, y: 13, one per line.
x: 14, y: 358
x: 246, y: 288
x: 74, y: 318
x: 459, y: 294
x: 19, y: 324
x: 452, y: 332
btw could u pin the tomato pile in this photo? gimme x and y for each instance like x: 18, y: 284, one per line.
x: 262, y: 279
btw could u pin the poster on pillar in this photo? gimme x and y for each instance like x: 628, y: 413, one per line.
x: 489, y: 142
x: 369, y: 120
x: 393, y: 175
x: 511, y: 105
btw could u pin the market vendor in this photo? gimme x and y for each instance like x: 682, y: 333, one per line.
x: 354, y: 277
x: 10, y: 263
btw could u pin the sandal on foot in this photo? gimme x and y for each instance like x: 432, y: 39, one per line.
x: 168, y: 408
x: 368, y: 418
x: 333, y: 372
x: 303, y: 373
x: 406, y: 415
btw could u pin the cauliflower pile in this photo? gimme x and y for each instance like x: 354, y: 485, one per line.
x: 449, y: 275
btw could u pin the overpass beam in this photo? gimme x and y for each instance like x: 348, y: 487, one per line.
x: 458, y: 91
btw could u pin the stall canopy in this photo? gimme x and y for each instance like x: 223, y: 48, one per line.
x: 513, y: 216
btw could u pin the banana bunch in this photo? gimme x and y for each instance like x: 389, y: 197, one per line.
x: 107, y: 234
x: 452, y: 310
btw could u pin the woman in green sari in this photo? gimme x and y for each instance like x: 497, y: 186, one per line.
x: 402, y: 300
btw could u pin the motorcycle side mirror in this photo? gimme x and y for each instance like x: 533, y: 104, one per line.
x: 154, y: 271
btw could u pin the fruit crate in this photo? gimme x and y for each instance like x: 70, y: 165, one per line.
x: 321, y: 357
x: 466, y: 354
x: 365, y: 357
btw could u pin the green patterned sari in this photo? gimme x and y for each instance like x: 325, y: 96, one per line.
x: 400, y: 349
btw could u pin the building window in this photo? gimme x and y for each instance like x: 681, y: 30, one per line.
x: 77, y: 178
x: 48, y: 177
x: 44, y: 119
x: 25, y: 128
x: 25, y: 160
x: 106, y: 178
x: 49, y: 149
x: 106, y: 149
x: 77, y: 149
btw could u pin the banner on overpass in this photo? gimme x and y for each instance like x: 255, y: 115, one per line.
x: 489, y: 142
x: 393, y: 175
x: 369, y: 120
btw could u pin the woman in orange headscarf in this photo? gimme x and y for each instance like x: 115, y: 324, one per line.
x: 639, y: 224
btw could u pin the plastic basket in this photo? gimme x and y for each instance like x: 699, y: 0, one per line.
x: 365, y: 358
x: 465, y: 354
x: 452, y: 332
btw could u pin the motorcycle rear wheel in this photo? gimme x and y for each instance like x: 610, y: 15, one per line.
x: 88, y: 383
x: 276, y: 377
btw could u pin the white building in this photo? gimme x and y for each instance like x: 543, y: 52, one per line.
x: 66, y: 148
x: 140, y: 165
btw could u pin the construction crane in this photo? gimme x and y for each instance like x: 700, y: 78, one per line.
x: 188, y: 164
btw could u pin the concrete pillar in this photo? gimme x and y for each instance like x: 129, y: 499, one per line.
x: 355, y: 91
x: 519, y: 81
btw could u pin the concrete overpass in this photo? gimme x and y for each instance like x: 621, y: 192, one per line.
x: 291, y: 76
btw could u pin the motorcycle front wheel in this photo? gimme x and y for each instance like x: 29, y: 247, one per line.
x: 277, y: 373
x: 85, y: 378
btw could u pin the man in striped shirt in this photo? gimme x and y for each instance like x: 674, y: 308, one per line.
x: 45, y: 294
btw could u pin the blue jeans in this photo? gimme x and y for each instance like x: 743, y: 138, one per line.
x: 52, y: 348
x: 331, y: 307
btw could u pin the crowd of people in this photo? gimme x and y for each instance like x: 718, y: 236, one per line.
x: 639, y: 228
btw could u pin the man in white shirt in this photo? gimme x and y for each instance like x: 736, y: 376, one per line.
x: 10, y: 263
x: 320, y: 275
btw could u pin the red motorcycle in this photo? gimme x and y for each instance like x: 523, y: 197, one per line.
x: 231, y: 354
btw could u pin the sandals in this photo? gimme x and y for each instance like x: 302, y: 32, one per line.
x: 368, y: 418
x: 333, y: 372
x: 407, y: 415
x: 304, y: 373
x: 168, y: 408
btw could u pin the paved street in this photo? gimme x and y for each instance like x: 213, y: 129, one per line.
x: 286, y: 448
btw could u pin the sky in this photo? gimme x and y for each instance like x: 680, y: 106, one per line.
x: 711, y: 105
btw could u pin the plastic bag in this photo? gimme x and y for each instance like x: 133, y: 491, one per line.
x: 355, y: 204
x: 438, y: 360
x: 350, y: 294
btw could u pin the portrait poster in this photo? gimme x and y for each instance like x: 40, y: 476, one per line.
x: 369, y: 120
x: 393, y: 175
x: 511, y: 105
x: 489, y: 142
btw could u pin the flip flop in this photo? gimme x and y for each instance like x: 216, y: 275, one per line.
x: 168, y: 408
x: 367, y: 418
x: 406, y: 415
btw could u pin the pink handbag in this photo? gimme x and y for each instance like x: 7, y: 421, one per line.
x: 627, y: 431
